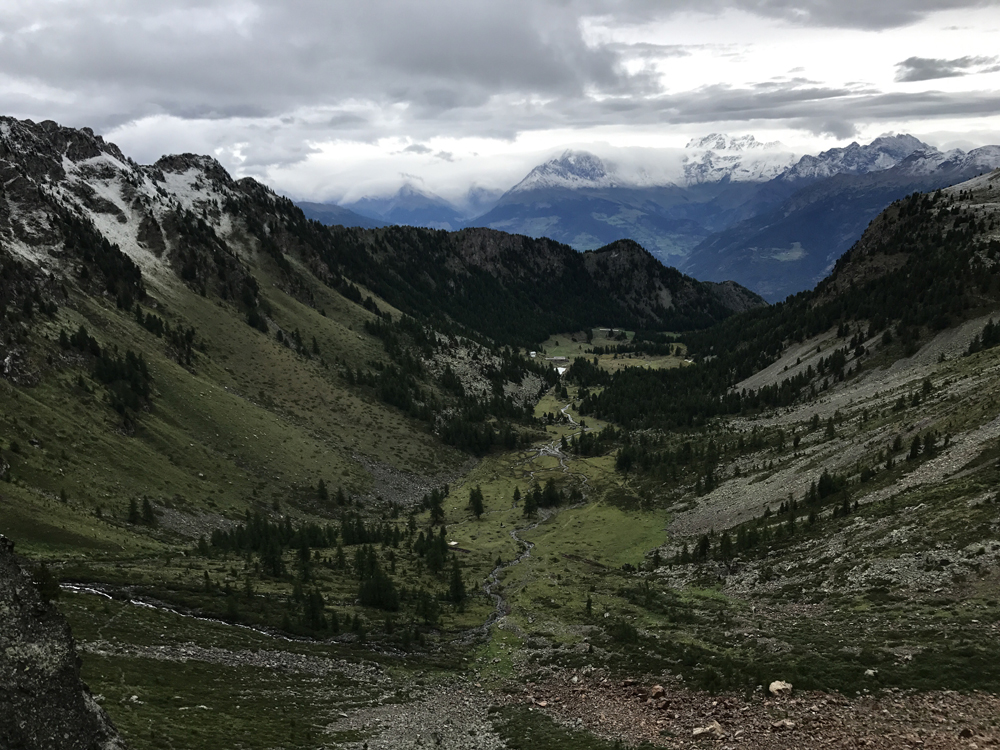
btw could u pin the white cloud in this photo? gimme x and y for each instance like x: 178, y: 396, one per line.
x: 324, y: 98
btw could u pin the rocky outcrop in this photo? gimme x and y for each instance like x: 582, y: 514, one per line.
x: 43, y: 701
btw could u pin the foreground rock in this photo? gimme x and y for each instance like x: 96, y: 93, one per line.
x: 779, y: 688
x: 43, y: 701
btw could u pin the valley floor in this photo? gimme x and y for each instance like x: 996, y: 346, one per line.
x: 877, y: 617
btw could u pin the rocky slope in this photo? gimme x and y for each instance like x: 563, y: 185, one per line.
x: 45, y: 703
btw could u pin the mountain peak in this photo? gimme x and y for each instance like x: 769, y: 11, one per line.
x: 717, y: 157
x: 900, y: 146
x: 411, y: 205
x: 573, y: 169
x: 724, y: 142
x: 409, y: 190
x: 884, y: 152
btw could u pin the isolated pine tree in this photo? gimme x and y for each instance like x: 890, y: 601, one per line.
x: 476, y: 504
x: 456, y: 588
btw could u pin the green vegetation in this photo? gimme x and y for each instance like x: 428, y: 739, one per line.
x: 286, y: 475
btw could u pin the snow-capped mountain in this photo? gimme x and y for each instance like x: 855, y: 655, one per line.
x: 717, y: 157
x: 980, y: 159
x: 713, y: 158
x: 724, y: 142
x: 573, y: 170
x: 795, y: 243
x: 884, y: 152
x: 666, y: 199
x: 703, y: 207
x: 139, y: 208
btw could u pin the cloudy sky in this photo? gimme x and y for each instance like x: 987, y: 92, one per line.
x: 331, y: 100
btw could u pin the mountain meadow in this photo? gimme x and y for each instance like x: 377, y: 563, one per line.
x: 304, y: 486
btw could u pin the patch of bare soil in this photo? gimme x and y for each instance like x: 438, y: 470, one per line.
x: 670, y: 716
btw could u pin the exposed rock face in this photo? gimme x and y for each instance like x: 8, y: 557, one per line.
x: 43, y: 701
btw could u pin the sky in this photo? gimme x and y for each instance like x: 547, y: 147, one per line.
x: 330, y: 100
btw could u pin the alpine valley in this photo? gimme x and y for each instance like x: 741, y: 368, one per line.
x: 272, y: 481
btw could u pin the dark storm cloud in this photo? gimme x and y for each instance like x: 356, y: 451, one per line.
x: 928, y: 68
x: 225, y: 59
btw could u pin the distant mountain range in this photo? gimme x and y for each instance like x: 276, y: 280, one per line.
x: 795, y: 244
x: 722, y: 208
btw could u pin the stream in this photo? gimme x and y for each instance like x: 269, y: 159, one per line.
x: 491, y: 587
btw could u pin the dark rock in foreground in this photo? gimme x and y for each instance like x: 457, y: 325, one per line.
x: 43, y: 701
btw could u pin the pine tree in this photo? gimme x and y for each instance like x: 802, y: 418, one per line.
x: 456, y: 588
x: 304, y: 559
x: 517, y: 496
x: 726, y: 546
x: 322, y: 492
x: 476, y: 501
x: 148, y: 516
x: 46, y: 583
x: 530, y: 504
x: 550, y: 495
x: 133, y: 512
x: 437, y: 508
x: 704, y: 548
